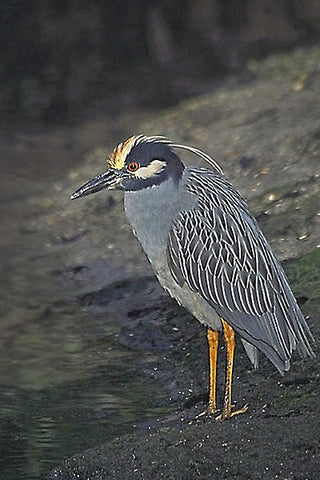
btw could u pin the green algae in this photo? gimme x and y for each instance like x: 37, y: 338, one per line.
x: 304, y: 275
x: 299, y: 64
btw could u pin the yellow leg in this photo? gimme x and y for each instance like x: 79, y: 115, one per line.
x: 212, y: 338
x: 229, y: 340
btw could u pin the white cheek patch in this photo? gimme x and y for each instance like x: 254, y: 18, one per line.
x: 154, y: 168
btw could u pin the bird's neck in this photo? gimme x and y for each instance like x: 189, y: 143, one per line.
x: 151, y: 212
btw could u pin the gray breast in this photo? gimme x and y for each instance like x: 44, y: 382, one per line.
x: 151, y: 213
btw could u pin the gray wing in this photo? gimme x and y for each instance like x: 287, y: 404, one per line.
x: 218, y: 250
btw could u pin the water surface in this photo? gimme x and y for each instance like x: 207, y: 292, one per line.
x: 68, y: 381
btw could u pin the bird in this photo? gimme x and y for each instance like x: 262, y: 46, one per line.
x: 208, y: 253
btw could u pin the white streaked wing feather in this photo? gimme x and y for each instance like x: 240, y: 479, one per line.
x: 225, y: 258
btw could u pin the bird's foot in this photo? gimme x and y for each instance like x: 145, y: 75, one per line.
x: 225, y: 413
x: 210, y: 410
x: 228, y: 413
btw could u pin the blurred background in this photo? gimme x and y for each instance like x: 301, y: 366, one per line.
x: 63, y: 58
x: 90, y: 346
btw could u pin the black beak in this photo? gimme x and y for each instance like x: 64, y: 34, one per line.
x: 108, y: 180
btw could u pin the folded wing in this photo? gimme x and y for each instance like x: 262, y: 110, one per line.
x: 218, y: 250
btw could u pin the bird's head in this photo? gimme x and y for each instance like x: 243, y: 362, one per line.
x: 140, y: 162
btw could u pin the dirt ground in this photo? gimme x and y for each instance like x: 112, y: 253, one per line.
x: 277, y: 438
x: 264, y: 130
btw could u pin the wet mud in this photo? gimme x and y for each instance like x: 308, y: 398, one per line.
x: 266, y: 136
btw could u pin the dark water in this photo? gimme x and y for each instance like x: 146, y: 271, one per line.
x: 48, y: 415
x: 39, y: 429
x: 67, y: 384
x: 67, y: 381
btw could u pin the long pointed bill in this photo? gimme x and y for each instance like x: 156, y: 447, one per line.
x: 108, y: 180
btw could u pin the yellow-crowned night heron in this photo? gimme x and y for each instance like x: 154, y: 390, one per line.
x: 208, y: 253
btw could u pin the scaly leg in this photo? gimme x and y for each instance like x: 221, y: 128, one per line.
x: 229, y: 339
x: 212, y: 338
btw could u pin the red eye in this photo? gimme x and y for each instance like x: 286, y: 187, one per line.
x: 133, y: 166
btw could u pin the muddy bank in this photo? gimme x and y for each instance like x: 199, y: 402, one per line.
x: 92, y: 348
x: 253, y: 448
x: 277, y: 438
x: 265, y: 133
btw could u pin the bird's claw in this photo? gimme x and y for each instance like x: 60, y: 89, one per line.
x: 208, y: 411
x: 225, y: 414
